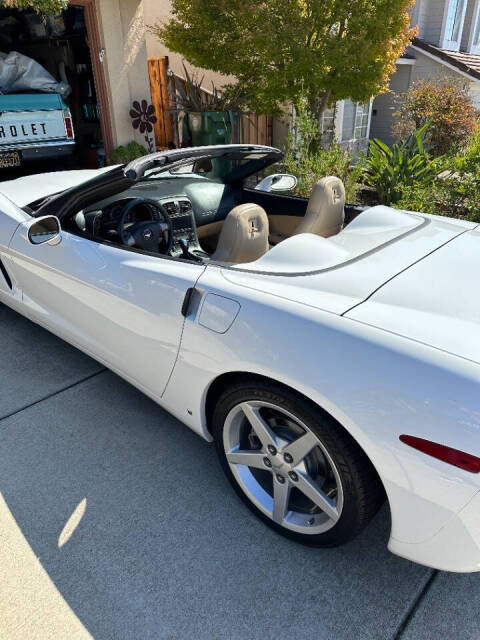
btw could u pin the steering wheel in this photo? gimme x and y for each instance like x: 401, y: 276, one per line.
x: 155, y: 236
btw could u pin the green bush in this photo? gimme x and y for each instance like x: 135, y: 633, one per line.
x: 309, y: 162
x: 124, y: 154
x: 469, y: 160
x: 456, y: 196
x: 446, y: 104
x: 390, y: 170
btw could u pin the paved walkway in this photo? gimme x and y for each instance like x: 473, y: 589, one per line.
x: 116, y: 523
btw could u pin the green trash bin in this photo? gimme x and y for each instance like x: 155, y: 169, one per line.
x: 210, y: 127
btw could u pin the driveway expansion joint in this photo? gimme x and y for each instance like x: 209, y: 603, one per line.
x: 54, y: 393
x: 415, y: 605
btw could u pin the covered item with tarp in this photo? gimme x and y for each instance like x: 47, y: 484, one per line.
x: 19, y: 73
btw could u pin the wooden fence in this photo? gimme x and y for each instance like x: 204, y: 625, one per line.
x: 255, y: 129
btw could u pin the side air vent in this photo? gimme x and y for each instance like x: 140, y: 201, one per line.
x: 185, y: 206
x: 5, y: 275
x: 171, y: 207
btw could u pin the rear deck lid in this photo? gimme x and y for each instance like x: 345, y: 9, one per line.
x: 338, y: 273
x: 435, y: 302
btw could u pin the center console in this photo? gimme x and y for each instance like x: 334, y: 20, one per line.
x: 184, y: 229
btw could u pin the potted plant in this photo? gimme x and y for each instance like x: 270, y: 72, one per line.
x: 209, y: 117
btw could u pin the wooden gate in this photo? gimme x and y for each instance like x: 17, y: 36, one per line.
x: 255, y: 129
x: 160, y: 91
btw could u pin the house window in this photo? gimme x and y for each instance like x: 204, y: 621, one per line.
x: 476, y: 33
x: 454, y: 20
x: 355, y: 120
x: 361, y: 121
x: 476, y: 36
x: 327, y: 126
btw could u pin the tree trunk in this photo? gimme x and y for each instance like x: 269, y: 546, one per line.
x: 322, y: 104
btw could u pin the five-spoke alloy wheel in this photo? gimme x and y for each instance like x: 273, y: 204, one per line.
x: 293, y: 465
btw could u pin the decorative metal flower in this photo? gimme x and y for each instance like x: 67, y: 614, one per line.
x: 143, y: 116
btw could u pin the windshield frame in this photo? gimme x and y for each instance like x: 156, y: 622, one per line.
x: 120, y: 178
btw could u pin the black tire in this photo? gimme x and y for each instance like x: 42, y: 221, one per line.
x: 363, y: 492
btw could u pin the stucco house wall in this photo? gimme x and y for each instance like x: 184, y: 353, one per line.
x: 158, y: 12
x: 427, y: 67
x: 123, y: 28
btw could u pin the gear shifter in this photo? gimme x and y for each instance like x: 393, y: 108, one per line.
x: 183, y: 242
x: 186, y: 254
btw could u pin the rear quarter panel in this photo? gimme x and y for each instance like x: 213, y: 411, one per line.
x: 376, y: 385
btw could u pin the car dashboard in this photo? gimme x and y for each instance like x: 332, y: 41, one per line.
x: 188, y: 202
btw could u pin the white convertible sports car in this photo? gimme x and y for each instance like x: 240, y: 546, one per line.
x: 331, y: 352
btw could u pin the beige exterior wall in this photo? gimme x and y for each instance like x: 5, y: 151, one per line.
x: 158, y: 12
x: 385, y: 105
x: 429, y: 68
x: 431, y: 20
x: 123, y: 27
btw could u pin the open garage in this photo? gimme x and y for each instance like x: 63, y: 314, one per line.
x: 67, y: 83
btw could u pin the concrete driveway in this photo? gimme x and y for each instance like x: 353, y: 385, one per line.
x: 116, y: 523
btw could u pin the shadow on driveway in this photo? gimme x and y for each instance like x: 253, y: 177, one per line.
x: 164, y: 548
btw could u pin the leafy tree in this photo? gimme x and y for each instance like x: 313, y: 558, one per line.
x: 279, y: 50
x: 445, y: 103
x: 42, y: 6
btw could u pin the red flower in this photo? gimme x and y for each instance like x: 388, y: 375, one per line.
x: 143, y: 116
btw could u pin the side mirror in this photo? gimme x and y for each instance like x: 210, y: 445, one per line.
x: 277, y: 182
x: 44, y: 230
x: 204, y: 165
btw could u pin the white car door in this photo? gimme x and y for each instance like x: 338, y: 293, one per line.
x: 121, y: 306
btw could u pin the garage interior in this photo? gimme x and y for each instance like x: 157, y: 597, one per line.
x: 60, y: 45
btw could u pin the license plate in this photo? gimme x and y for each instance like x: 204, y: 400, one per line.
x: 9, y: 159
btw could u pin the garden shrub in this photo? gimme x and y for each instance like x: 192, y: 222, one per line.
x: 468, y: 161
x: 456, y: 197
x: 455, y: 194
x: 309, y: 162
x: 127, y: 153
x: 445, y: 103
x: 390, y: 170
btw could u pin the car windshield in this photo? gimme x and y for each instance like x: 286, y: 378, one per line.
x: 228, y: 168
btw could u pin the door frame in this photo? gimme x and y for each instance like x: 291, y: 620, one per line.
x: 96, y: 46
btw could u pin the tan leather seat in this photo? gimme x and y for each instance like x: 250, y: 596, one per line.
x: 244, y: 235
x: 325, y: 214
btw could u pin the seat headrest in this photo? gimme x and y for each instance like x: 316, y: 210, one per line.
x: 244, y: 235
x: 325, y: 214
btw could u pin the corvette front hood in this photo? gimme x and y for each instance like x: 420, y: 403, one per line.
x: 435, y: 302
x: 28, y: 189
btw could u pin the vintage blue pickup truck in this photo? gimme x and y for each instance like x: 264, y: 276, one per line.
x: 34, y: 126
